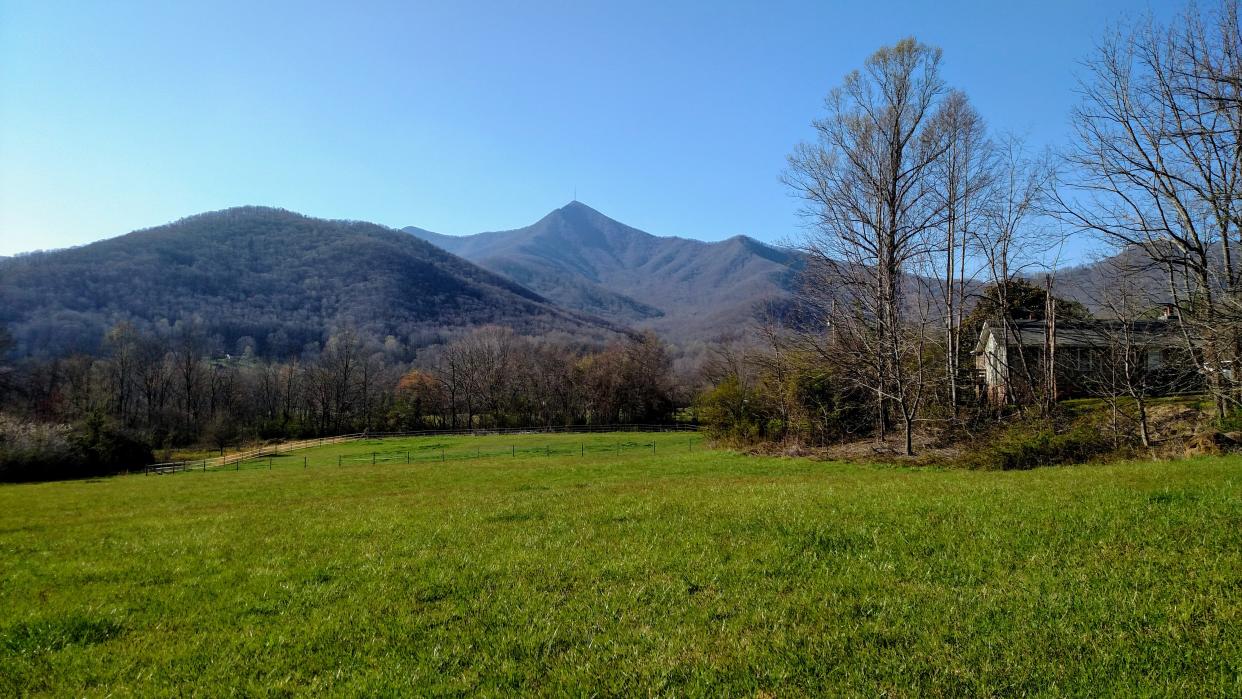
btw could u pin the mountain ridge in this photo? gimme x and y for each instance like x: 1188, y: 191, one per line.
x: 276, y: 279
x: 684, y: 288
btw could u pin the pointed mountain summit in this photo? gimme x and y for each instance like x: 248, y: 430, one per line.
x: 580, y: 258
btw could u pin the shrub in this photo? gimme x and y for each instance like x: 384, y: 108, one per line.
x: 736, y: 413
x: 32, y: 451
x: 1043, y: 447
x: 28, y: 449
x: 107, y: 448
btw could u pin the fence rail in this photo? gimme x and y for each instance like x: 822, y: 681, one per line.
x: 276, y: 449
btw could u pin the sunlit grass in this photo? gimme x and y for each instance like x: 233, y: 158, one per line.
x: 567, y: 565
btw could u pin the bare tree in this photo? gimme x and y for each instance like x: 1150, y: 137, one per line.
x: 963, y: 176
x: 1138, y: 353
x: 190, y: 348
x: 124, y: 345
x: 420, y: 398
x: 1123, y: 372
x: 155, y: 377
x: 1009, y: 241
x: 870, y: 196
x: 1157, y: 166
x: 335, y: 378
x: 776, y: 363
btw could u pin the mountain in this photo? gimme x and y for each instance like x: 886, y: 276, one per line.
x: 1097, y: 284
x: 684, y: 289
x: 265, y: 278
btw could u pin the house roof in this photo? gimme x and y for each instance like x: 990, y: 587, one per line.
x: 1152, y: 334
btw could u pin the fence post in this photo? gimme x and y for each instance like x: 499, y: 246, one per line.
x: 204, y: 465
x: 269, y: 463
x: 372, y: 458
x: 547, y: 450
x: 441, y: 454
x: 303, y: 462
x: 513, y: 450
x: 407, y: 456
x: 581, y: 449
x: 653, y: 446
x: 338, y: 459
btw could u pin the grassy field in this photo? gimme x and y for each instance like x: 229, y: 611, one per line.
x: 564, y: 565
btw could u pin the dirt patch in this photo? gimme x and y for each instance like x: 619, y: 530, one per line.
x: 1210, y: 444
x: 1174, y: 421
x: 928, y: 449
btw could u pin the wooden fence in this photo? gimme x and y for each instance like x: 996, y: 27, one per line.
x: 278, y: 448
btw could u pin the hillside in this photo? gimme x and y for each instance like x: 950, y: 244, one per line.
x: 268, y: 278
x: 1095, y: 284
x: 582, y: 259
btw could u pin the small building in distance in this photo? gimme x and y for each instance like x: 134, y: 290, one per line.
x: 1091, y: 356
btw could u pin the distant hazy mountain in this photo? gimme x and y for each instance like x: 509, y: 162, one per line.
x: 1096, y: 286
x: 582, y: 259
x: 266, y: 278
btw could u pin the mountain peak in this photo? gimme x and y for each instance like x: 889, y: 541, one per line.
x: 577, y: 208
x: 585, y: 260
x: 575, y: 204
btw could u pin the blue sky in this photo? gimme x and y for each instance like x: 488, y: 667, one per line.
x: 466, y: 116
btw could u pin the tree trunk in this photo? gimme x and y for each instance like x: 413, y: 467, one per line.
x: 909, y: 436
x: 1144, y: 434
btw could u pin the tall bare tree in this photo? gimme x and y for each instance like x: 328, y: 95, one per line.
x: 1010, y: 240
x: 870, y: 197
x: 1157, y: 166
x: 335, y: 378
x: 963, y: 176
x: 190, y: 348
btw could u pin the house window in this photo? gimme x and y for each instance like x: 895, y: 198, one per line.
x: 1155, y: 359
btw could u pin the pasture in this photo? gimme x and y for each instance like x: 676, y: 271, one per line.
x: 572, y: 565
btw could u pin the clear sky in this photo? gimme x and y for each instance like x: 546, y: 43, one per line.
x: 464, y: 116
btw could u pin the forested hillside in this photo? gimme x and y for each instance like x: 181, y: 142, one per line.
x: 263, y: 280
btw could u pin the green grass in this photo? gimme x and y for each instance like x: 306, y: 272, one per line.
x: 683, y: 573
x: 443, y: 449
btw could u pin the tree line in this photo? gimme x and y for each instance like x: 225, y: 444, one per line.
x: 150, y: 394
